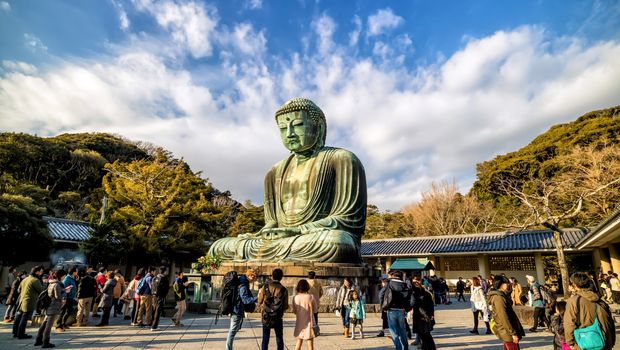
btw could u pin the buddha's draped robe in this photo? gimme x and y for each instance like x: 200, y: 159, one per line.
x: 331, y: 221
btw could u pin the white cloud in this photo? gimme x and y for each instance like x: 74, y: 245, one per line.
x: 254, y: 4
x: 408, y: 126
x: 5, y: 6
x: 18, y: 66
x: 324, y: 27
x: 382, y: 21
x: 123, y: 20
x: 243, y: 38
x: 34, y: 44
x: 354, y: 36
x: 191, y: 24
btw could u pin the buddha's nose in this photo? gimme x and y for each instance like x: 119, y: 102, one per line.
x: 289, y: 130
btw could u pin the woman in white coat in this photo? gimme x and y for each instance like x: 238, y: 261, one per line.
x: 479, y: 306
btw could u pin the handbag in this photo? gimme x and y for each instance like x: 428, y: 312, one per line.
x: 565, y: 346
x: 590, y: 337
x: 315, y: 327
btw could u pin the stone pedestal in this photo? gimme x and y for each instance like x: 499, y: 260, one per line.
x: 328, y: 275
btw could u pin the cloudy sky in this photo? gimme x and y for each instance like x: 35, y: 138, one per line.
x: 419, y: 90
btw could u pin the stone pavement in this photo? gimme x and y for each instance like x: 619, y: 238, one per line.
x: 200, y: 332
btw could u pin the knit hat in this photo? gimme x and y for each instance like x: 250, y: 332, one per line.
x: 530, y: 278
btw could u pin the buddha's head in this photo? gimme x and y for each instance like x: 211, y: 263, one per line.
x: 302, y: 125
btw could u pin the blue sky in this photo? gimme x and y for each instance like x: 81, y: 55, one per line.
x: 421, y: 91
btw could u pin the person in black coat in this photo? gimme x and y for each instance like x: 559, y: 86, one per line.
x: 423, y: 314
x: 460, y: 289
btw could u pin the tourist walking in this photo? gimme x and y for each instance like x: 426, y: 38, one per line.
x: 357, y: 315
x: 317, y: 291
x: 161, y: 286
x: 179, y: 286
x: 273, y: 300
x: 133, y: 290
x: 57, y: 292
x: 384, y: 322
x: 242, y: 298
x: 118, y: 292
x: 8, y: 282
x: 557, y: 326
x: 460, y: 289
x: 537, y: 301
x: 13, y: 297
x: 145, y: 291
x: 100, y: 280
x: 304, y: 308
x: 107, y: 299
x: 584, y: 309
x: 516, y: 292
x: 479, y: 306
x: 29, y: 290
x: 86, y: 292
x: 423, y: 315
x: 342, y: 304
x: 396, y: 301
x: 70, y: 282
x: 507, y: 326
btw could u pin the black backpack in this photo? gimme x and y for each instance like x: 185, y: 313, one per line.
x: 228, y: 295
x: 273, y: 307
x: 43, y: 300
x: 387, y: 298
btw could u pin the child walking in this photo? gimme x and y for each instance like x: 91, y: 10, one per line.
x: 357, y: 314
x: 557, y: 326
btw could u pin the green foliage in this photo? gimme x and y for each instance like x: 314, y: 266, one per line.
x: 23, y: 232
x: 250, y: 218
x: 102, y: 248
x: 160, y: 206
x: 387, y: 224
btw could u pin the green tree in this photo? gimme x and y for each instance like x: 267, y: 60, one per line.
x: 250, y: 218
x: 159, y: 206
x: 387, y: 224
x: 23, y: 232
x: 103, y: 246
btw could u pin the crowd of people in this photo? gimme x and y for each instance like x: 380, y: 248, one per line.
x: 407, y: 304
x: 56, y: 294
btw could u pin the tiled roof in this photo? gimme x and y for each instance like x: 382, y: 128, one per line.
x: 67, y: 230
x: 535, y: 240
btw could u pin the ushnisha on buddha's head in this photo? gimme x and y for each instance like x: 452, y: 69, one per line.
x: 302, y: 125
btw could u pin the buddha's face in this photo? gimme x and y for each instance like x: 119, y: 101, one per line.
x: 298, y: 131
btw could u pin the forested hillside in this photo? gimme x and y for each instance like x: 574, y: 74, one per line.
x: 155, y: 204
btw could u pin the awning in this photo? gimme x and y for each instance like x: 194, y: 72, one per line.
x: 412, y: 264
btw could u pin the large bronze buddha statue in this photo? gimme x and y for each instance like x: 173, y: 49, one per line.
x: 315, y: 199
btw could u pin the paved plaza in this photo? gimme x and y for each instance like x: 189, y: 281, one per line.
x: 200, y: 332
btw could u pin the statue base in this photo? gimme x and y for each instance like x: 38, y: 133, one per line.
x: 329, y: 275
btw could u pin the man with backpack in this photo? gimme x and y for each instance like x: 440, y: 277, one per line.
x: 273, y: 301
x: 397, y: 302
x: 145, y: 292
x: 29, y: 290
x: 236, y: 299
x: 588, y: 322
x: 161, y: 286
x: 537, y: 301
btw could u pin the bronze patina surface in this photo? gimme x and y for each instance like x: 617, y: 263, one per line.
x: 315, y: 199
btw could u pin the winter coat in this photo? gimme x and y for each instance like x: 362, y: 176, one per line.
x: 357, y: 310
x: 423, y: 311
x: 517, y: 290
x: 275, y: 288
x: 56, y: 291
x: 316, y: 290
x: 87, y: 287
x: 70, y: 281
x: 478, y: 300
x: 401, y: 295
x: 107, y: 298
x: 29, y: 290
x: 587, y: 314
x: 244, y: 297
x: 507, y: 323
x: 120, y: 286
x: 344, y: 296
x: 535, y: 296
x: 163, y: 286
x: 179, y: 290
x: 557, y: 327
x: 13, y: 296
